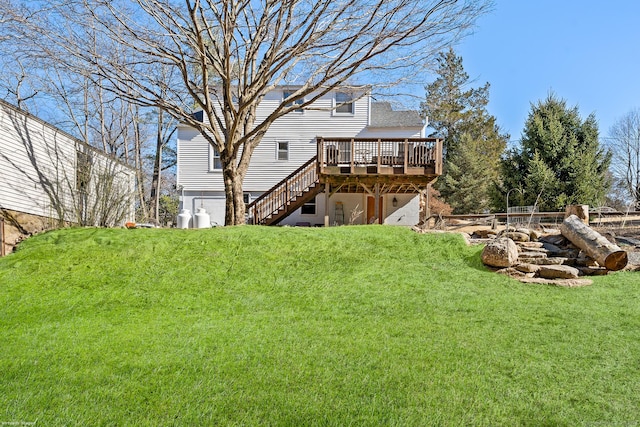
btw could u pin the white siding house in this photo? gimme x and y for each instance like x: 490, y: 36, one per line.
x: 289, y: 143
x: 47, y: 173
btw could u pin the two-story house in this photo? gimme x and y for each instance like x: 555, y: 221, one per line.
x: 346, y: 159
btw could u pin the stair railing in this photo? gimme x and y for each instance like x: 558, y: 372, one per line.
x: 281, y: 195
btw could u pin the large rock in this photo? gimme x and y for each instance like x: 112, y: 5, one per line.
x: 501, y: 252
x: 555, y: 239
x: 517, y: 236
x: 514, y: 272
x: 558, y: 272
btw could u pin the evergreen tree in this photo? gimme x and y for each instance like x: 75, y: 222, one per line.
x: 560, y: 159
x: 472, y: 139
x: 467, y: 183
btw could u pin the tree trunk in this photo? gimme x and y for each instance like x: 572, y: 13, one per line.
x: 234, y: 204
x: 234, y: 194
x: 154, y: 197
x: 581, y: 211
x: 593, y: 244
x: 229, y: 211
x: 238, y: 201
x: 234, y: 172
x: 139, y: 170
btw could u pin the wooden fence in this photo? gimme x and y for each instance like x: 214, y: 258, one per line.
x: 596, y: 219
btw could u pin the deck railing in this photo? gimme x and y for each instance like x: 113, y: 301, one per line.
x: 283, y: 193
x: 391, y: 152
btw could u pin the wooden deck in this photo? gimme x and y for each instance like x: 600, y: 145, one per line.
x: 352, y: 165
x: 400, y: 165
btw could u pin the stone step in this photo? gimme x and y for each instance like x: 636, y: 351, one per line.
x: 532, y: 254
x: 544, y: 261
x: 558, y: 272
x: 538, y: 245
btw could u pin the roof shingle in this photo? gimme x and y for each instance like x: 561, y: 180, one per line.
x: 383, y: 116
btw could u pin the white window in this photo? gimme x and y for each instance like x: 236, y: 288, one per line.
x: 282, y: 148
x: 344, y: 103
x: 287, y: 94
x: 216, y: 164
x: 246, y: 198
x: 309, y: 208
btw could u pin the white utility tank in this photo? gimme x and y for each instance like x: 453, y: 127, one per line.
x: 183, y: 218
x: 202, y: 219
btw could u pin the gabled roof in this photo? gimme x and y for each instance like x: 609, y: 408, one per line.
x: 383, y: 116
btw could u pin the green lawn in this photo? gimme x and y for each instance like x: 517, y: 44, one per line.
x: 366, y: 325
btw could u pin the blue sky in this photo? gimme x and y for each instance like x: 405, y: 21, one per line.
x: 586, y: 52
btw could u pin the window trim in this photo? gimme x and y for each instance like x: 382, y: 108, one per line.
x: 288, y: 93
x: 214, y: 159
x: 312, y: 203
x: 279, y: 151
x: 336, y: 103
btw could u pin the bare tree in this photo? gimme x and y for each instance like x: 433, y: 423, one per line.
x: 68, y: 98
x: 624, y: 142
x: 228, y: 54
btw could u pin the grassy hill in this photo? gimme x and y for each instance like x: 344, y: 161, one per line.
x: 367, y: 325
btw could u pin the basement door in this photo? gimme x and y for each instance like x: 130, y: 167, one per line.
x: 371, y: 210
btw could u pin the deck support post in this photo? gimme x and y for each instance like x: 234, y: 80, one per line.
x: 326, y: 204
x: 376, y: 204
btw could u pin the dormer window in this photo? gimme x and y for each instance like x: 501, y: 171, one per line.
x: 287, y: 94
x: 344, y: 104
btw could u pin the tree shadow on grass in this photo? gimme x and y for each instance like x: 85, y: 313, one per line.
x: 474, y: 261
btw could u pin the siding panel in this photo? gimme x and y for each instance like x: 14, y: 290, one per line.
x: 38, y: 167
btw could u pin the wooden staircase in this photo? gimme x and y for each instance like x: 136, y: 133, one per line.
x: 286, y: 196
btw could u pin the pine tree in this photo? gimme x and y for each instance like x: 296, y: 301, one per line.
x: 560, y: 159
x: 467, y: 183
x: 472, y: 139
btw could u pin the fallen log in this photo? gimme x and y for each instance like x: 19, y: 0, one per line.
x: 593, y: 244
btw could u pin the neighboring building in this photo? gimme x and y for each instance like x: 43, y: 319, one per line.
x: 49, y: 178
x: 350, y: 172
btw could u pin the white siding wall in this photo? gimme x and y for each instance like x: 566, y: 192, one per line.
x: 36, y: 164
x: 299, y: 129
x: 38, y: 167
x: 110, y: 193
x: 193, y: 162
